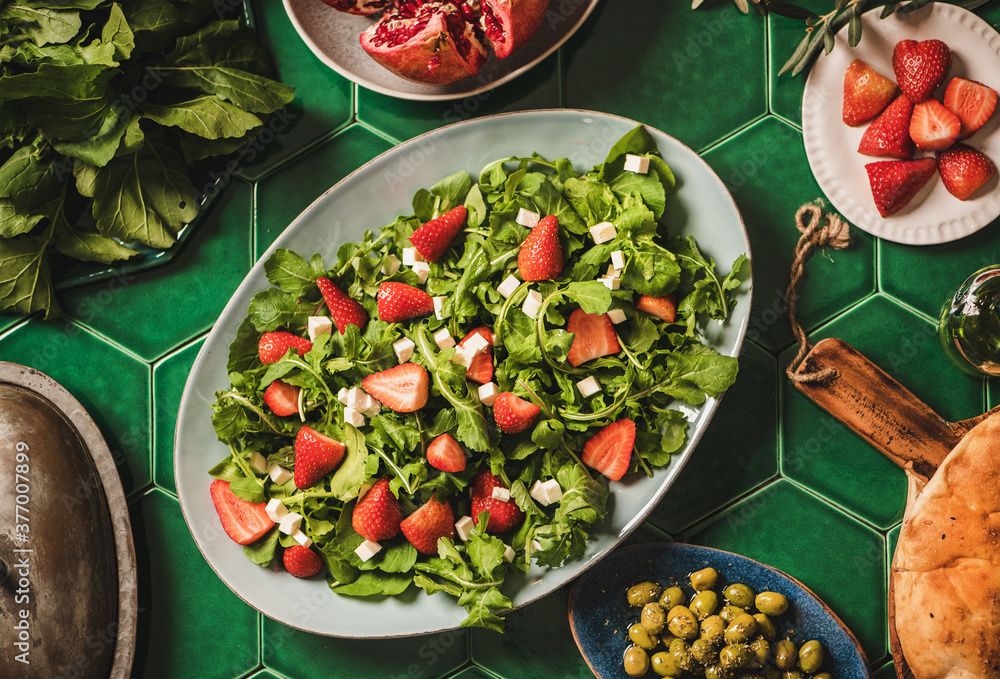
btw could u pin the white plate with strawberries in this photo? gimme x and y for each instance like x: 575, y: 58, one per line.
x: 896, y: 161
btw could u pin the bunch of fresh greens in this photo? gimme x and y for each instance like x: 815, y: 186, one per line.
x: 660, y: 364
x: 103, y: 109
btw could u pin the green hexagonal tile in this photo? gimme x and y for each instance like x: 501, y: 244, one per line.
x: 8, y: 321
x: 738, y: 452
x: 323, y: 98
x: 784, y: 36
x: 473, y: 673
x: 766, y: 170
x: 283, y: 195
x: 887, y: 671
x: 151, y: 312
x: 401, y: 119
x: 822, y: 454
x: 169, y: 376
x: 838, y: 558
x: 697, y: 75
x: 264, y: 674
x: 112, y: 385
x: 190, y: 623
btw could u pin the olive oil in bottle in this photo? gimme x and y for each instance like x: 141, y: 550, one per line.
x: 970, y: 324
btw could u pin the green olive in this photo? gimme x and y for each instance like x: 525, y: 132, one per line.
x: 735, y: 656
x: 760, y: 649
x: 664, y: 665
x: 771, y: 603
x: 641, y: 637
x: 643, y: 593
x: 671, y: 596
x: 792, y: 674
x: 716, y: 672
x: 682, y: 623
x: 785, y: 654
x: 704, y: 604
x: 741, y: 630
x: 739, y: 595
x: 765, y: 627
x: 713, y: 629
x: 772, y: 673
x: 822, y: 675
x: 704, y: 579
x: 636, y: 661
x: 653, y: 618
x: 729, y: 613
x: 680, y: 651
x: 811, y: 657
x: 704, y: 652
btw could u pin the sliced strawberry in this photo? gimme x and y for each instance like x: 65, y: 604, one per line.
x: 377, y: 515
x: 889, y: 134
x: 481, y: 368
x: 344, y: 310
x: 446, y: 454
x: 894, y: 183
x: 274, y: 345
x: 610, y: 450
x: 932, y: 126
x: 403, y: 388
x: 282, y: 398
x: 920, y: 67
x: 594, y: 336
x: 513, y: 414
x: 316, y: 455
x: 973, y: 103
x: 664, y: 308
x: 401, y: 302
x: 866, y: 93
x: 433, y: 238
x: 301, y: 561
x: 541, y: 255
x: 430, y: 522
x: 964, y: 169
x: 504, y: 515
x: 245, y: 522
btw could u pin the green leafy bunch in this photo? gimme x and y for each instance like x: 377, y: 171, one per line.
x: 661, y: 364
x: 104, y: 107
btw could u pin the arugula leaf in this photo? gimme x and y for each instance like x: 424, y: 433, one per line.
x: 207, y: 116
x: 262, y: 551
x: 25, y: 278
x: 290, y: 272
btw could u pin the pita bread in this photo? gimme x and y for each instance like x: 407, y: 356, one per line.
x: 947, y: 565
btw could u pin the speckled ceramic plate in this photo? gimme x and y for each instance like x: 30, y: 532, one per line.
x: 367, y: 199
x: 934, y: 215
x: 599, y: 615
x: 334, y: 37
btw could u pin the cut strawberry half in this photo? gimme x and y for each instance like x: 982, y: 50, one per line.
x: 664, y: 308
x: 376, y: 516
x: 282, y: 398
x: 344, y: 310
x: 400, y: 302
x: 316, y: 455
x: 301, y: 561
x: 594, y: 336
x: 973, y: 103
x: 274, y: 345
x: 894, y: 183
x: 889, y: 134
x: 433, y: 238
x: 513, y: 414
x: 404, y: 388
x: 866, y: 93
x: 244, y: 522
x: 964, y: 170
x: 481, y: 368
x: 424, y: 527
x: 609, y: 451
x: 446, y: 454
x: 933, y: 127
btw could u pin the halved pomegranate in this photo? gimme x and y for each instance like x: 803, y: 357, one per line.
x: 363, y: 7
x: 427, y: 42
x: 508, y: 24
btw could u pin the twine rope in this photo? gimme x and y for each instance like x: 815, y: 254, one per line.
x: 835, y: 233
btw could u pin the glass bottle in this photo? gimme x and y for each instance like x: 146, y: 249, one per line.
x: 970, y: 324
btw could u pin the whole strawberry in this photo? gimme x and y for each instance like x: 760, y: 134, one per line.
x: 430, y: 522
x: 920, y: 67
x: 316, y: 455
x: 377, y: 515
x: 433, y: 238
x: 513, y: 414
x: 274, y: 345
x: 541, y: 255
x: 301, y: 562
x: 400, y: 302
x: 344, y: 310
x: 504, y: 515
x: 964, y: 169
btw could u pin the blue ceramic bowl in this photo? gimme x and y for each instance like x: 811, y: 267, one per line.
x: 600, y: 616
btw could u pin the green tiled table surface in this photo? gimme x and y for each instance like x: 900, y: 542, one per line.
x: 775, y: 478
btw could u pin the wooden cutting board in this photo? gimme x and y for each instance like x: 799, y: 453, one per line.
x: 892, y: 419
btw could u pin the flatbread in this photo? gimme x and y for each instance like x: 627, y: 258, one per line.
x: 947, y: 565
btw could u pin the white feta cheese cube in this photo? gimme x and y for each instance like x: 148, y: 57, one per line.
x: 279, y: 474
x: 488, y: 393
x: 464, y: 526
x: 476, y: 344
x: 290, y: 523
x: 258, y: 463
x: 611, y: 283
x: 639, y: 164
x: 342, y: 395
x: 618, y: 259
x: 537, y: 494
x: 508, y: 554
x: 616, y: 315
x: 439, y: 308
x: 300, y: 537
x: 443, y: 339
x: 356, y: 395
x: 276, y: 510
x: 319, y: 325
x: 353, y: 418
x: 535, y: 545
x: 501, y: 494
x: 603, y: 232
x: 365, y: 487
x: 411, y: 257
x: 463, y: 357
x: 508, y: 286
x: 527, y: 218
x: 404, y: 349
x: 612, y: 272
x: 532, y: 303
x: 369, y: 406
x: 423, y: 270
x: 390, y: 265
x: 367, y: 550
x: 588, y: 386
x: 552, y: 491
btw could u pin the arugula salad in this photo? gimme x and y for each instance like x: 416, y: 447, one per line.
x: 617, y: 259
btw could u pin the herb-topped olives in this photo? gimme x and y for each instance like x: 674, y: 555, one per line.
x: 704, y: 579
x: 641, y: 637
x: 704, y: 604
x: 653, y: 618
x: 771, y: 603
x: 672, y: 596
x: 739, y: 595
x: 636, y: 662
x: 643, y: 593
x: 811, y: 656
x: 682, y: 623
